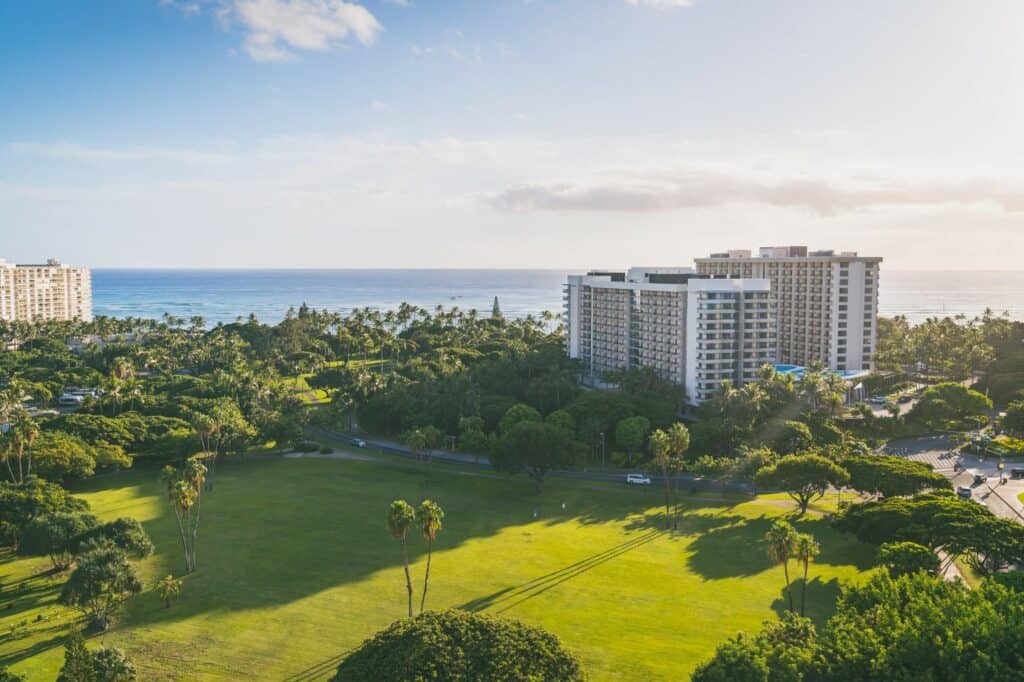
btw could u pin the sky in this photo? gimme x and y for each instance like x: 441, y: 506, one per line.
x: 509, y: 133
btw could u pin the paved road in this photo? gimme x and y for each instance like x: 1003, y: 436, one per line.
x: 939, y: 452
x: 686, y: 481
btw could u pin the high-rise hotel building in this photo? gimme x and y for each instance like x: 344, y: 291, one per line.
x: 50, y: 291
x: 826, y: 302
x: 695, y: 330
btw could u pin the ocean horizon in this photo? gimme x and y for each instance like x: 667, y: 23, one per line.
x: 226, y: 294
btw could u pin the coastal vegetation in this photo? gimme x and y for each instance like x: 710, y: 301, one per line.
x: 232, y: 536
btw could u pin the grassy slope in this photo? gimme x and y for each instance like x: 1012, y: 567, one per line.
x: 296, y: 567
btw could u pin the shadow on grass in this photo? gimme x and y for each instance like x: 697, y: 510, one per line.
x: 511, y: 597
x: 276, y: 531
x: 820, y: 598
x: 738, y: 549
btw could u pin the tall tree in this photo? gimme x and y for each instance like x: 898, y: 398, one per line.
x: 430, y: 516
x: 803, y: 477
x: 401, y: 516
x: 805, y: 549
x: 781, y: 539
x: 184, y: 494
x: 668, y: 447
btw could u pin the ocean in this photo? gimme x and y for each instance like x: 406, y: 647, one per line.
x: 225, y: 295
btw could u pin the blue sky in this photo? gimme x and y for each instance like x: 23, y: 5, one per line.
x: 508, y: 133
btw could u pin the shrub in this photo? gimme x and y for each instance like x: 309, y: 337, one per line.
x: 305, y: 446
x: 457, y: 646
x: 325, y: 450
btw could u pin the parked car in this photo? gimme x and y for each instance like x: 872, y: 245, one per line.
x: 1016, y: 474
x: 638, y: 479
x: 904, y: 398
x: 980, y: 478
x: 879, y: 400
x: 964, y: 492
x: 358, y: 442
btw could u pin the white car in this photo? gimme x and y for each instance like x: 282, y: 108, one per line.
x: 358, y: 442
x: 879, y: 400
x: 638, y: 479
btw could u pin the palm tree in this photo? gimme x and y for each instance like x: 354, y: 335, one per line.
x: 781, y: 539
x: 805, y: 549
x: 430, y: 515
x: 401, y: 516
x: 668, y: 448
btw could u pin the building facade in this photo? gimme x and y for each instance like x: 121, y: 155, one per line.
x: 692, y: 329
x: 50, y: 291
x: 826, y: 303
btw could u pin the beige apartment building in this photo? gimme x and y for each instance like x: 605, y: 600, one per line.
x: 693, y: 329
x: 50, y: 291
x: 826, y: 302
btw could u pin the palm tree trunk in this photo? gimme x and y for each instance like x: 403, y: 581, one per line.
x: 668, y: 513
x: 426, y: 576
x: 408, y: 579
x: 803, y: 588
x: 789, y: 591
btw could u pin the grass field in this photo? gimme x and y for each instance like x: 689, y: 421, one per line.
x: 296, y: 567
x: 318, y: 396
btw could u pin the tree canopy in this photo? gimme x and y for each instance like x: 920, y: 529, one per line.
x: 456, y: 646
x: 803, y: 477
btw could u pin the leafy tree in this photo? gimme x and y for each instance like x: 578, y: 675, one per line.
x: 891, y: 476
x: 169, y: 589
x: 456, y: 646
x: 805, y: 548
x: 517, y: 414
x: 912, y: 627
x: 401, y: 516
x: 630, y: 434
x: 906, y: 558
x: 1014, y: 419
x: 803, y: 477
x: 780, y: 652
x: 562, y: 419
x: 77, y: 661
x: 112, y: 665
x: 534, y: 447
x: 950, y: 401
x: 7, y: 676
x: 782, y: 539
x: 62, y: 457
x: 103, y: 665
x: 184, y: 493
x: 794, y: 437
x: 125, y: 532
x: 101, y: 582
x: 21, y: 503
x: 430, y: 516
x: 54, y: 534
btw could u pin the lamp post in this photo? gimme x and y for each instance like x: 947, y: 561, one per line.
x: 602, y: 450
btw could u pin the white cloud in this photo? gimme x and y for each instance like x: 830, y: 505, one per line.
x: 646, y: 192
x: 277, y: 29
x: 661, y: 4
x: 77, y: 152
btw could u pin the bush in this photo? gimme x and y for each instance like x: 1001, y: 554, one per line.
x: 457, y: 646
x: 305, y: 446
x: 325, y: 450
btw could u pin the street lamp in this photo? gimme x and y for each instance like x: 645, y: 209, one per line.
x: 602, y: 450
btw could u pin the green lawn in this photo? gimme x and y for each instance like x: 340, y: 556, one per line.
x: 296, y: 567
x: 318, y: 396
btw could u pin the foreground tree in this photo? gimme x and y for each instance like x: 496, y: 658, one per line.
x: 430, y: 516
x: 781, y: 539
x: 456, y: 646
x: 892, y: 476
x: 102, y: 581
x: 909, y: 628
x: 21, y: 503
x: 804, y: 477
x: 401, y: 516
